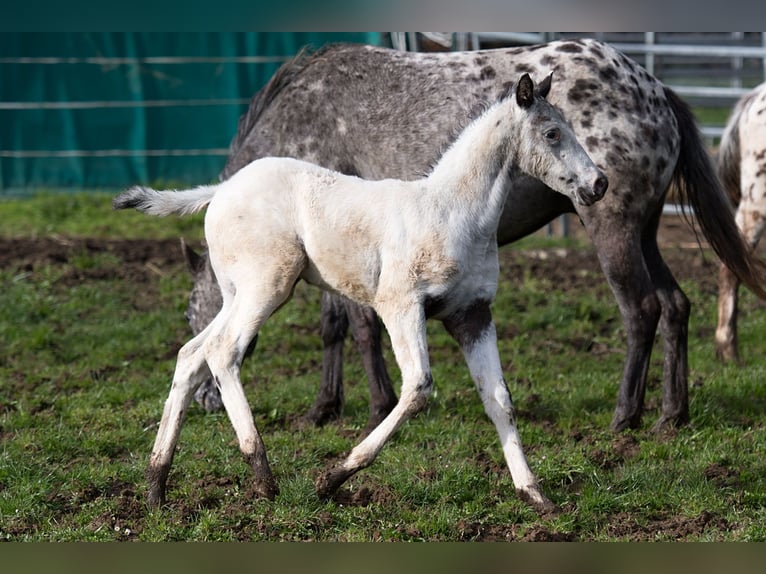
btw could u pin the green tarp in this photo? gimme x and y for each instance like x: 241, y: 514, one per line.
x: 106, y: 110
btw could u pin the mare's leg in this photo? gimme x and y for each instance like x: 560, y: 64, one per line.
x: 334, y: 326
x: 618, y: 243
x: 674, y: 327
x: 407, y: 330
x: 190, y: 371
x: 367, y: 334
x: 474, y: 331
x: 751, y: 220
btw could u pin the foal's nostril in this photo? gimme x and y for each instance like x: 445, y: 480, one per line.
x: 600, y: 185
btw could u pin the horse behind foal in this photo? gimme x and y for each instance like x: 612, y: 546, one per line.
x: 742, y: 167
x: 424, y: 248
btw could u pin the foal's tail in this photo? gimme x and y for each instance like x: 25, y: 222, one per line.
x: 153, y: 202
x: 699, y: 187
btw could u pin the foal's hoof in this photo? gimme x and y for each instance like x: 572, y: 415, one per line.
x: 265, y: 490
x: 155, y: 498
x: 328, y: 483
x: 535, y: 498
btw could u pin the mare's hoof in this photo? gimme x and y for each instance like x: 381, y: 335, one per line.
x: 209, y: 397
x: 621, y: 422
x: 669, y: 423
x: 320, y: 415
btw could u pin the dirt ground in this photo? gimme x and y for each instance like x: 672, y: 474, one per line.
x: 143, y: 260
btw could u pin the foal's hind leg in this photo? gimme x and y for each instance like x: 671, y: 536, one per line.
x: 190, y: 371
x: 224, y: 351
x: 261, y: 284
x: 474, y: 331
x: 751, y: 221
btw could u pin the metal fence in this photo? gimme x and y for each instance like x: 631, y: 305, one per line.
x: 709, y: 69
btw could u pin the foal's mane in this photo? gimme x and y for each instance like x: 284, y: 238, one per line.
x: 476, y: 110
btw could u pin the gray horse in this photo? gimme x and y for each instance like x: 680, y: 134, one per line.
x: 377, y: 113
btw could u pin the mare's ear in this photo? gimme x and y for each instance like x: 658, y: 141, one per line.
x: 545, y: 86
x: 525, y: 91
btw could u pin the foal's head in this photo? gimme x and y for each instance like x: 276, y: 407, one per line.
x: 548, y: 150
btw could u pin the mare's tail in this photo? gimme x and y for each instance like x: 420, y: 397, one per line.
x: 699, y: 187
x: 153, y: 202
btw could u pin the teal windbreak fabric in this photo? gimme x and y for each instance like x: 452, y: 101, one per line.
x: 106, y: 110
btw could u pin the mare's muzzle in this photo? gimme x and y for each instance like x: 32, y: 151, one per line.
x: 594, y: 193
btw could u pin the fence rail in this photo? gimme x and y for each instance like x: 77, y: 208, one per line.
x: 709, y: 69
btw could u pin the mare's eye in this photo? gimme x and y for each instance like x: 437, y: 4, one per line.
x: 553, y: 135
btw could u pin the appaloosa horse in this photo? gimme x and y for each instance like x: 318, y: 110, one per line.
x: 742, y: 167
x: 375, y: 113
x: 410, y: 249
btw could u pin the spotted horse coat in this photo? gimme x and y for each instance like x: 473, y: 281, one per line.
x: 377, y: 113
x: 742, y: 166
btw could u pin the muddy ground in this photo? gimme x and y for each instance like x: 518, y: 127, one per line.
x: 144, y: 259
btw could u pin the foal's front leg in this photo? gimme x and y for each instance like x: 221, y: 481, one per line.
x: 474, y: 331
x: 407, y: 330
x: 190, y: 371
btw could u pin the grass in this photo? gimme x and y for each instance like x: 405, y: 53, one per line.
x: 87, y: 364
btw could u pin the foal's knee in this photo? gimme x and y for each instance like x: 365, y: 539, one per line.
x: 497, y: 402
x: 416, y: 398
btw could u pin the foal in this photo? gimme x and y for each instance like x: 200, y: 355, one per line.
x: 419, y: 249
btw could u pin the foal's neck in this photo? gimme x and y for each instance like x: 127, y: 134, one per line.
x: 474, y: 173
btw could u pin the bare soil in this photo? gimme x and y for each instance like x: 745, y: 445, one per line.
x: 142, y: 259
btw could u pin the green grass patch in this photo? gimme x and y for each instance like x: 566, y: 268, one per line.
x: 88, y: 356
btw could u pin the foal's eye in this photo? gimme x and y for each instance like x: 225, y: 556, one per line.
x: 553, y: 135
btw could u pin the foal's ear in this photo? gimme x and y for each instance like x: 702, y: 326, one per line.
x: 545, y: 86
x: 525, y: 92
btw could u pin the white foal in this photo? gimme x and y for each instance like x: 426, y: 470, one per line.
x: 742, y: 167
x: 411, y: 250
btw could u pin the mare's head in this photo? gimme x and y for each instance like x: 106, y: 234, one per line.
x: 547, y: 149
